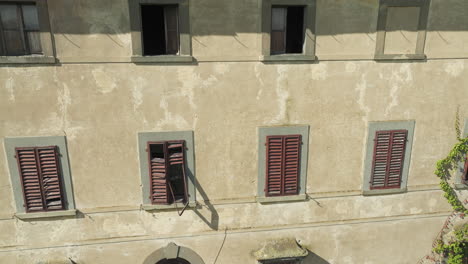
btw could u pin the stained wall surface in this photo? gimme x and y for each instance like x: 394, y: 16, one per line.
x: 100, y: 100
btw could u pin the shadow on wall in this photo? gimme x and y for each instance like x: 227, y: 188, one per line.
x: 313, y: 258
x: 213, y: 219
x: 227, y: 17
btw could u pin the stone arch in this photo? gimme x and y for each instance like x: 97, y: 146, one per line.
x: 173, y: 251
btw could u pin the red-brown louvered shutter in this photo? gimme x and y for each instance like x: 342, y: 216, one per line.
x: 157, y: 154
x: 292, y: 146
x: 274, y: 165
x: 389, y: 155
x: 282, y: 165
x: 465, y: 170
x: 51, y: 178
x: 30, y: 179
x: 177, y: 178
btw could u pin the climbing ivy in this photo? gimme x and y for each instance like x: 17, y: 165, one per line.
x: 455, y: 251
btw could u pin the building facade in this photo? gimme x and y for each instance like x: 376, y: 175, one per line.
x: 109, y: 88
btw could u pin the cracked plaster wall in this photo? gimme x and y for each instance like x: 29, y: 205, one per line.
x: 102, y: 107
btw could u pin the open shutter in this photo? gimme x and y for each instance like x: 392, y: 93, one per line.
x: 282, y: 165
x: 157, y: 154
x: 171, y: 21
x: 278, y: 30
x: 292, y: 145
x: 177, y: 177
x: 50, y: 176
x: 389, y: 154
x: 30, y: 179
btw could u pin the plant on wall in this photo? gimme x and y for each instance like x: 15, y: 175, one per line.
x: 453, y: 246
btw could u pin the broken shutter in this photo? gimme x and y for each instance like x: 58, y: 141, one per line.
x: 389, y: 155
x: 40, y: 176
x: 158, y: 173
x: 282, y: 165
x: 167, y: 171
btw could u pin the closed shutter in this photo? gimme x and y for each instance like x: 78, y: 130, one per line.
x: 159, y: 193
x: 465, y: 170
x: 282, y: 165
x: 389, y: 155
x: 50, y: 174
x: 41, y: 178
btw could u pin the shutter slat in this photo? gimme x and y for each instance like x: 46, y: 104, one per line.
x: 49, y: 168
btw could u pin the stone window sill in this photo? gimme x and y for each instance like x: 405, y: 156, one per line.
x: 51, y: 214
x: 383, y: 191
x: 33, y: 59
x: 287, y: 58
x: 400, y: 57
x: 279, y: 199
x: 157, y: 207
x: 162, y: 59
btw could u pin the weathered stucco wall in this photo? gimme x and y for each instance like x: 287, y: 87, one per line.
x: 223, y: 98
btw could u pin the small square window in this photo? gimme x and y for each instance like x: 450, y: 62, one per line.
x: 282, y: 157
x: 167, y: 169
x: 40, y: 175
x: 24, y: 32
x: 288, y: 30
x: 387, y: 157
x: 160, y: 31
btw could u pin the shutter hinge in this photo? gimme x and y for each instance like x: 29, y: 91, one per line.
x: 14, y: 156
x: 146, y: 149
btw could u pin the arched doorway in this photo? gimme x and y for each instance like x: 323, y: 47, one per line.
x: 173, y: 254
x: 173, y: 261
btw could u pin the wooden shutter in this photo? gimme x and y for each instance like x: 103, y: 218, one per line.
x: 51, y: 178
x: 282, y: 165
x: 171, y: 22
x: 177, y: 176
x: 389, y: 155
x: 158, y: 171
x: 41, y: 178
x: 278, y: 30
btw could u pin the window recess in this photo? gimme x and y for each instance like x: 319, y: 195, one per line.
x: 19, y: 29
x: 287, y: 29
x: 167, y: 172
x: 160, y: 29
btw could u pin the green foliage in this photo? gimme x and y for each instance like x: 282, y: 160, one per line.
x: 455, y: 251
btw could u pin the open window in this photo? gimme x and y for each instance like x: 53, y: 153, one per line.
x: 167, y: 172
x: 288, y: 30
x: 160, y: 31
x: 167, y: 166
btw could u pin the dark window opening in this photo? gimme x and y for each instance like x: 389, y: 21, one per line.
x: 287, y: 29
x: 173, y: 261
x: 160, y: 29
x: 19, y: 30
x: 167, y: 172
